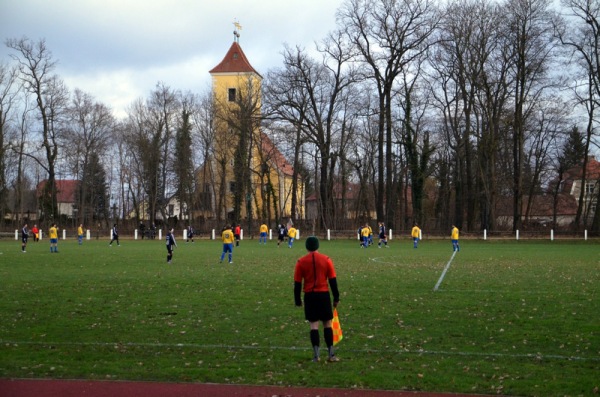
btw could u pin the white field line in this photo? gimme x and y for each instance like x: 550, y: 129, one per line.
x: 377, y: 259
x: 437, y: 285
x: 533, y: 356
x: 482, y: 291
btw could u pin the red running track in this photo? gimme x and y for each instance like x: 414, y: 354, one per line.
x: 84, y: 388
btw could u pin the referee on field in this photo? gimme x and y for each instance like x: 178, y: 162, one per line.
x: 315, y: 270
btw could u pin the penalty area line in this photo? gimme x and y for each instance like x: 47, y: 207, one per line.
x: 437, y: 285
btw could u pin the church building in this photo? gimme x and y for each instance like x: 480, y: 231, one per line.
x: 245, y: 177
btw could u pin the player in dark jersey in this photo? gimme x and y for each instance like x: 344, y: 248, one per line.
x: 382, y: 235
x: 281, y: 233
x: 24, y: 238
x: 171, y: 244
x: 115, y: 235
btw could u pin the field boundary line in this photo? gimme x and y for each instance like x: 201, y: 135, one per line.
x: 437, y: 285
x: 537, y: 356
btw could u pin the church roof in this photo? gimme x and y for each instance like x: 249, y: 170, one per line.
x: 66, y: 189
x: 235, y: 61
x: 275, y: 155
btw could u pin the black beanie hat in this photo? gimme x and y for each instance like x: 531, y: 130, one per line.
x: 312, y: 243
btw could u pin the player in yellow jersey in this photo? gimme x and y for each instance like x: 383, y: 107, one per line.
x: 263, y: 234
x: 228, y: 238
x: 454, y: 238
x: 80, y: 234
x: 416, y: 235
x: 53, y: 235
x: 364, y: 236
x: 291, y: 236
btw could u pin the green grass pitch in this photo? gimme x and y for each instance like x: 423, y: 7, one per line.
x: 510, y: 317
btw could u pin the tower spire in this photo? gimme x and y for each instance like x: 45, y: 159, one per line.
x: 236, y: 31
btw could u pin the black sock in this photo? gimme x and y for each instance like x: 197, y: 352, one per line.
x: 314, y: 337
x: 328, y: 334
x: 315, y: 341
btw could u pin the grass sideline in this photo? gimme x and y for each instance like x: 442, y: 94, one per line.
x: 515, y: 318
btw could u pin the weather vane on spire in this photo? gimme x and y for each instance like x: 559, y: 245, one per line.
x: 236, y: 33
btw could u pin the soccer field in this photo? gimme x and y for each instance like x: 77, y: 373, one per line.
x: 509, y: 317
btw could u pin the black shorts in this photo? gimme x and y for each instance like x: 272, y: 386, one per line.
x: 24, y: 240
x: 317, y: 306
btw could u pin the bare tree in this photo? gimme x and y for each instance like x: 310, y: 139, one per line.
x: 131, y: 175
x: 89, y: 128
x: 580, y: 32
x: 166, y: 105
x: 8, y: 92
x: 311, y: 96
x: 546, y: 126
x: 361, y: 155
x: 414, y: 135
x: 529, y: 34
x: 35, y: 65
x: 18, y: 147
x: 183, y: 161
x: 203, y: 118
x: 567, y: 155
x: 285, y: 104
x: 387, y: 35
x: 468, y: 69
x: 151, y: 130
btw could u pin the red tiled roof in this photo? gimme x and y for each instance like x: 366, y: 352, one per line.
x: 592, y: 170
x: 235, y: 61
x: 65, y: 189
x: 274, y: 155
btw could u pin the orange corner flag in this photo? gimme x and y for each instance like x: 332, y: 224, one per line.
x: 336, y: 327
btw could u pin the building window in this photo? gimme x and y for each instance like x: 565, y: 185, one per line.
x: 171, y: 209
x: 232, y: 187
x: 589, y: 188
x: 231, y: 95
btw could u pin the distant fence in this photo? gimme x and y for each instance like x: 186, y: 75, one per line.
x: 330, y: 234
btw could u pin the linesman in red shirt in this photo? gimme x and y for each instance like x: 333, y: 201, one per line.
x: 315, y: 270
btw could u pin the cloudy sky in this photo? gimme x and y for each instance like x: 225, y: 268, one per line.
x: 117, y: 50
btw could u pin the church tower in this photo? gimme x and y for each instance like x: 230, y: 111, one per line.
x: 246, y: 176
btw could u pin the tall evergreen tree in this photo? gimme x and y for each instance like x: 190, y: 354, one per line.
x: 183, y: 165
x: 574, y: 149
x: 572, y: 153
x: 93, y: 191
